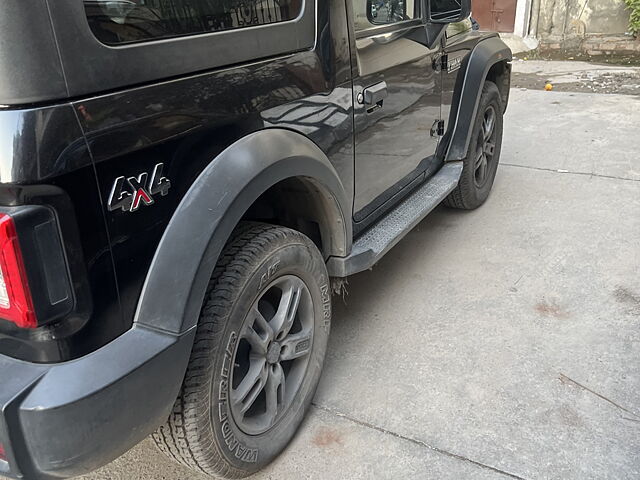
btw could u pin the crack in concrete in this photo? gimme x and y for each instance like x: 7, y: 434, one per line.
x: 631, y: 419
x: 415, y: 441
x: 564, y: 172
x: 563, y: 378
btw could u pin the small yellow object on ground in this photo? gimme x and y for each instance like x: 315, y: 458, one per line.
x: 548, y: 87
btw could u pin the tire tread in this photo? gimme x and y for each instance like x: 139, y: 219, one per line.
x: 459, y: 198
x: 186, y: 437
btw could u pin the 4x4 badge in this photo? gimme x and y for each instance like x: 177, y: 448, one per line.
x: 137, y: 192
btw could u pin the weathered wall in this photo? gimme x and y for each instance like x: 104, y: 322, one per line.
x: 591, y: 27
x: 567, y: 17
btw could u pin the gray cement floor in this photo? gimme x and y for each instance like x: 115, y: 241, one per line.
x: 572, y: 76
x: 499, y: 343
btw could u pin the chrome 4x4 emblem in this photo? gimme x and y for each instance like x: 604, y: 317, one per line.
x: 129, y: 193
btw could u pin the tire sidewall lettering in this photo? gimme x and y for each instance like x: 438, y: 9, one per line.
x: 235, y: 446
x: 293, y: 259
x: 325, y: 293
x: 269, y: 274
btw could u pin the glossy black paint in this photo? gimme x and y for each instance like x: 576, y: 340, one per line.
x: 148, y: 62
x: 393, y: 145
x: 45, y: 161
x: 30, y: 69
x: 40, y: 144
x: 119, y: 119
x: 186, y: 123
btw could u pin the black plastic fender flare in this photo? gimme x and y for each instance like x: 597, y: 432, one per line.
x: 176, y: 281
x: 469, y: 84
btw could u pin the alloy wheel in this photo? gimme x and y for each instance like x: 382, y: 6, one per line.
x: 272, y: 354
x: 486, y: 147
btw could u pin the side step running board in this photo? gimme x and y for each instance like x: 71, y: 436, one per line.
x: 378, y: 239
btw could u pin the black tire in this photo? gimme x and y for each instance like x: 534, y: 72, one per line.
x: 208, y: 430
x: 474, y: 187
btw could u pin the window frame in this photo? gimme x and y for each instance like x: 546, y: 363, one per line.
x: 460, y: 32
x: 190, y: 34
x: 381, y: 29
x: 91, y: 66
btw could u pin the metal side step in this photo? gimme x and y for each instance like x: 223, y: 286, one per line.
x: 378, y: 239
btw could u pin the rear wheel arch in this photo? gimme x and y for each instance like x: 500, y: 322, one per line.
x: 225, y: 193
x: 257, y: 357
x: 303, y: 204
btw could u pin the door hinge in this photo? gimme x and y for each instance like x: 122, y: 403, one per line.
x: 444, y: 62
x: 438, y: 128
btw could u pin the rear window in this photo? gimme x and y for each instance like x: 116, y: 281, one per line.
x: 126, y: 21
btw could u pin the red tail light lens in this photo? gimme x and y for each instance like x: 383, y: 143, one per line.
x: 16, y: 304
x: 3, y: 455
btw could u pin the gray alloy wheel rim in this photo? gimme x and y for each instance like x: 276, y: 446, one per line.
x: 272, y: 355
x: 486, y: 147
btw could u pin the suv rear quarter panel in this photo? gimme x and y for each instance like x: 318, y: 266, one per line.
x: 91, y: 66
x: 30, y: 69
x: 44, y: 160
x: 185, y: 123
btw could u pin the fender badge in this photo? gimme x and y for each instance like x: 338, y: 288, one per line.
x: 136, y: 191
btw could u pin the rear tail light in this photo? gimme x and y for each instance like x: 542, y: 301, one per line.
x: 3, y: 455
x: 16, y: 304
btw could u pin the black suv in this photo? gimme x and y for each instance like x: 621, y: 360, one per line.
x: 184, y: 183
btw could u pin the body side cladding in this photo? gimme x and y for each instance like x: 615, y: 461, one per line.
x: 473, y: 73
x: 171, y: 297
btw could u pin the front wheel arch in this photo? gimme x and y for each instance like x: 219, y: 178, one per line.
x: 487, y: 61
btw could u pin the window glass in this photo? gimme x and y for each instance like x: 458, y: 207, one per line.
x: 458, y: 27
x: 369, y: 13
x: 125, y: 21
x: 443, y: 10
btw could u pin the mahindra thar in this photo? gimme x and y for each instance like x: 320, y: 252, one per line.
x: 184, y: 183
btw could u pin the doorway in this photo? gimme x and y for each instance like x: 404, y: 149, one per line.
x: 495, y: 15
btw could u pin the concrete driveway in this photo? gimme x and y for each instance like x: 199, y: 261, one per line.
x: 499, y: 343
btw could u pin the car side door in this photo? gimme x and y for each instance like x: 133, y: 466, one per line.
x: 398, y: 99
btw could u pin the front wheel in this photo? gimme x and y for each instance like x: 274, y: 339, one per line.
x: 257, y: 355
x: 483, y: 155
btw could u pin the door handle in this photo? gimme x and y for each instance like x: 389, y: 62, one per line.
x: 374, y: 95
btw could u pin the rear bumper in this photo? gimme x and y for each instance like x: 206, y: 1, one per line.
x: 67, y: 419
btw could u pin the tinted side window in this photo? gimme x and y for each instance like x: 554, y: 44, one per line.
x: 369, y: 13
x: 125, y: 21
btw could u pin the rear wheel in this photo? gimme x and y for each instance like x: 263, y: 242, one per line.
x: 481, y: 162
x: 257, y: 354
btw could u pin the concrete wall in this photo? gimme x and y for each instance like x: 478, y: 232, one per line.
x: 590, y: 27
x: 582, y: 17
